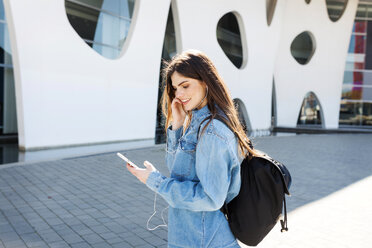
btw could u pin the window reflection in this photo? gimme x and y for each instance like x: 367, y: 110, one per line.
x: 356, y: 113
x: 302, y: 48
x: 310, y: 111
x: 356, y: 95
x: 336, y: 8
x: 8, y: 116
x: 103, y: 24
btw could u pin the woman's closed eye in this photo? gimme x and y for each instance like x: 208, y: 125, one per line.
x: 184, y: 87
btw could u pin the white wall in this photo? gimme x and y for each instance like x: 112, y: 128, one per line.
x: 68, y: 94
x: 253, y: 82
x: 324, y: 73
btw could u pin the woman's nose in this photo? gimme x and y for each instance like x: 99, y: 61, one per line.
x: 178, y: 94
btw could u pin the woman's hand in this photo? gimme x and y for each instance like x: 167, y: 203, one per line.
x: 142, y: 174
x: 178, y: 114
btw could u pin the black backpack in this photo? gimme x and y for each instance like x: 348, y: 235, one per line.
x: 258, y: 206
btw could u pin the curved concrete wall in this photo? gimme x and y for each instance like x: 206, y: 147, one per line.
x: 67, y: 94
x: 323, y: 75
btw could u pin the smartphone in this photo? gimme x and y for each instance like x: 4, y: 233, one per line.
x: 127, y: 160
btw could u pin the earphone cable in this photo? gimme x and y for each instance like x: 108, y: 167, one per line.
x: 162, y: 216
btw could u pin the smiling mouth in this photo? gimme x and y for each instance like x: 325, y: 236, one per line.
x: 184, y: 102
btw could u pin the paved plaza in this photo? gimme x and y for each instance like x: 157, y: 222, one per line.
x: 93, y: 201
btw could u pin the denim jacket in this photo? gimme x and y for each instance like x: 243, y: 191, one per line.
x: 204, y: 174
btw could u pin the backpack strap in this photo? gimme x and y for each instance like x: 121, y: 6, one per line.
x: 284, y: 223
x: 223, y: 120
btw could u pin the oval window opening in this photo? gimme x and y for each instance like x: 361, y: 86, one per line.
x: 229, y: 39
x: 243, y: 115
x: 310, y: 113
x: 335, y: 9
x: 303, y: 48
x: 102, y: 24
x: 270, y: 9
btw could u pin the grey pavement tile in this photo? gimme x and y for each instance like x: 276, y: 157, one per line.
x: 93, y: 238
x: 50, y: 236
x: 5, y: 228
x: 31, y: 238
x: 84, y: 216
x: 43, y: 211
x: 72, y: 221
x: 23, y: 228
x: 58, y: 244
x: 10, y: 212
x: 145, y: 246
x: 99, y: 229
x: 35, y: 204
x: 108, y: 235
x: 155, y: 241
x: 122, y: 245
x: 14, y: 244
x: 100, y: 206
x: 31, y: 216
x: 72, y: 238
x: 40, y: 226
x: 61, y: 227
x: 65, y: 216
x: 5, y: 206
x: 110, y: 213
x: 39, y: 244
x: 3, y: 221
x: 97, y: 214
x: 61, y: 212
x: 90, y: 222
x: 145, y: 234
x: 116, y: 228
x: 135, y: 241
x: 162, y: 246
x: 68, y: 205
x: 65, y: 232
x: 82, y: 230
x: 81, y: 245
x: 114, y: 240
x: 54, y: 221
x: 48, y: 215
x: 9, y: 236
x: 104, y: 220
x: 25, y: 209
x: 161, y: 233
x: 101, y: 245
x: 16, y: 219
x: 84, y: 206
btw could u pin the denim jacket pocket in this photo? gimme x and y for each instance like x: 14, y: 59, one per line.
x: 183, y: 166
x: 188, y: 146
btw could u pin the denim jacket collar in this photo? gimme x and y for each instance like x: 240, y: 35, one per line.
x: 200, y: 114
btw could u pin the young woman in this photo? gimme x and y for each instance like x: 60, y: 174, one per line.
x: 204, y: 165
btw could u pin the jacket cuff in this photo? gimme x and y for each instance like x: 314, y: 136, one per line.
x: 173, y: 137
x: 154, y: 180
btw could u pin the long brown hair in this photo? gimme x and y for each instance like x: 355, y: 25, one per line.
x: 195, y: 64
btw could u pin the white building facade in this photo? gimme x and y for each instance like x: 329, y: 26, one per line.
x: 81, y: 83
